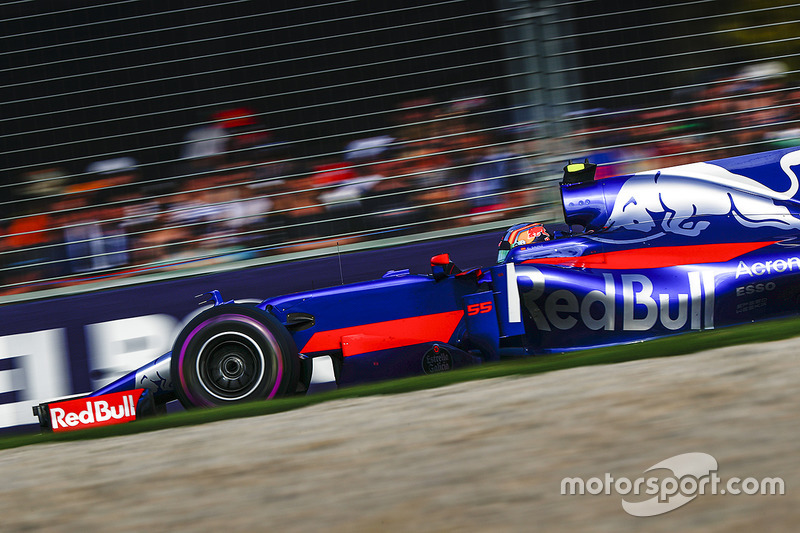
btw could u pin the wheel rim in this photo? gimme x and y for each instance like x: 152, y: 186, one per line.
x: 230, y: 365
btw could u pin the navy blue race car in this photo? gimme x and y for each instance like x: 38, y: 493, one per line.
x: 651, y: 254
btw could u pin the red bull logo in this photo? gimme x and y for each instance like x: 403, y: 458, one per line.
x: 627, y: 302
x: 537, y: 233
x: 114, y: 408
x: 680, y: 200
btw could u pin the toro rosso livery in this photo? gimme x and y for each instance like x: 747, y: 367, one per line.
x: 655, y: 253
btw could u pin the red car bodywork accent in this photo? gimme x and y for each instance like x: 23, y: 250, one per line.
x: 113, y: 408
x: 365, y: 338
x: 657, y: 257
x: 440, y: 260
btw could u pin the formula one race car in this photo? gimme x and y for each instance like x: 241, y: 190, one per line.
x: 645, y: 255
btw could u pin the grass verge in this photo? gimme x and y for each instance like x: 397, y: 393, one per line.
x: 665, y: 347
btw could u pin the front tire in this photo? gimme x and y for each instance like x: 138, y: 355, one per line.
x: 233, y: 353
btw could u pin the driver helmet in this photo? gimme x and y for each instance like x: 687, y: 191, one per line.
x: 520, y: 234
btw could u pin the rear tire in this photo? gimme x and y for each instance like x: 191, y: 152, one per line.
x: 233, y: 353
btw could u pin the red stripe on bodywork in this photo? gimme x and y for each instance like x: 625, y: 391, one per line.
x: 386, y: 335
x: 657, y: 257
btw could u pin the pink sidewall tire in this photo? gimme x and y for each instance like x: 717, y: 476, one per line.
x: 233, y: 353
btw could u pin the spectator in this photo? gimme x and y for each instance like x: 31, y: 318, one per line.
x: 389, y: 201
x: 434, y: 188
x: 28, y: 245
x: 490, y: 177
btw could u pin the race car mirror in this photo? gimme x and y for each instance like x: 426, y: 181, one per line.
x: 442, y: 266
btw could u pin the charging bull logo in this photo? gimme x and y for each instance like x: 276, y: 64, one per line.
x: 538, y: 233
x: 680, y: 199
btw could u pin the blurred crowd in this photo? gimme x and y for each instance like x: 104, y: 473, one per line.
x: 238, y: 192
x: 755, y: 110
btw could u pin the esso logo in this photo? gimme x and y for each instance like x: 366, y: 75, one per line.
x: 755, y: 288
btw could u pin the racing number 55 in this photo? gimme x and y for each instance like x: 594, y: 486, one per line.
x: 479, y: 308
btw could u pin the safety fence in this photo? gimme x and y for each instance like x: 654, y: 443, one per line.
x: 141, y: 139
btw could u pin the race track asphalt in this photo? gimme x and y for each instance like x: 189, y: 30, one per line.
x: 479, y: 456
